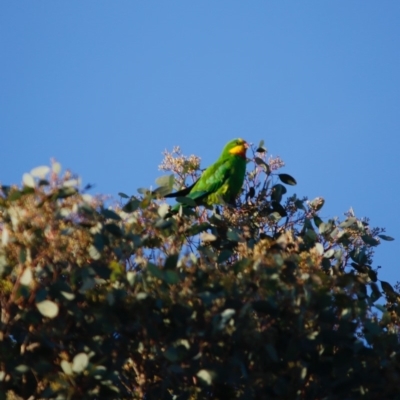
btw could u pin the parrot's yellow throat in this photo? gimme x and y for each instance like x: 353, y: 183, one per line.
x: 239, y: 149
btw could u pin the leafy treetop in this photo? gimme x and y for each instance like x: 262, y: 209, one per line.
x: 262, y: 300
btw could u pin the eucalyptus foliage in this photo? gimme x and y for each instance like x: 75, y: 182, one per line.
x: 260, y: 301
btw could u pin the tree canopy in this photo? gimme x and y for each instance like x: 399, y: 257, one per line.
x: 264, y: 300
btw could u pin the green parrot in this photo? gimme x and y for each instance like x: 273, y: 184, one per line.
x: 222, y: 180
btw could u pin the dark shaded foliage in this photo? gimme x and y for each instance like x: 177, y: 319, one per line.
x: 261, y: 301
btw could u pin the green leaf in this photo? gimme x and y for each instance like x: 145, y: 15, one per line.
x: 94, y: 253
x: 274, y: 216
x: 114, y: 229
x: 88, y: 283
x: 385, y: 237
x: 299, y: 204
x: 56, y: 167
x: 250, y: 194
x: 22, y: 368
x: 26, y: 277
x: 71, y: 183
x: 325, y: 263
x: 41, y: 295
x: 317, y: 220
x: 317, y: 203
x: 343, y: 238
x: 225, y: 317
x: 171, y: 354
x: 278, y: 191
x: 171, y: 277
x: 311, y: 235
x: 98, y: 242
x: 131, y: 206
x: 43, y: 182
x: 241, y: 265
x: 208, y: 237
x: 40, y: 172
x: 64, y: 192
x: 110, y: 214
x: 277, y: 207
x: 329, y: 254
x: 68, y: 295
x: 145, y: 202
x: 388, y: 289
x: 233, y: 235
x: 48, y: 308
x: 325, y: 227
x: 163, y: 210
x: 15, y: 195
x: 261, y: 148
x: 143, y: 191
x: 376, y: 294
x: 348, y: 222
x: 161, y: 191
x: 155, y: 271
x: 367, y: 239
x: 359, y: 255
x: 359, y: 268
x: 123, y: 195
x: 286, y: 178
x: 206, y: 376
x: 372, y: 275
x: 166, y: 180
x: 171, y: 261
x: 163, y: 224
x: 260, y: 162
x: 66, y: 367
x: 22, y: 255
x: 168, y: 276
x: 320, y: 248
x: 131, y: 277
x: 224, y: 256
x: 80, y: 362
x: 334, y: 233
x: 28, y: 180
x: 362, y: 294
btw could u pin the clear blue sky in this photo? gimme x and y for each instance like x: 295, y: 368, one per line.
x: 105, y: 87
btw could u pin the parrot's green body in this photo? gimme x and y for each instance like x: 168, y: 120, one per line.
x: 222, y: 181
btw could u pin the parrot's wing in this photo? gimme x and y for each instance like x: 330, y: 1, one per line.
x: 209, y: 182
x: 214, y: 177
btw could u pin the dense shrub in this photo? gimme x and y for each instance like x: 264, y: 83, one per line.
x: 261, y: 301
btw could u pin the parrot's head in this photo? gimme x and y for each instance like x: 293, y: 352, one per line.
x: 236, y: 147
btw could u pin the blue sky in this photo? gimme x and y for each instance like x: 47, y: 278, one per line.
x: 105, y: 87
